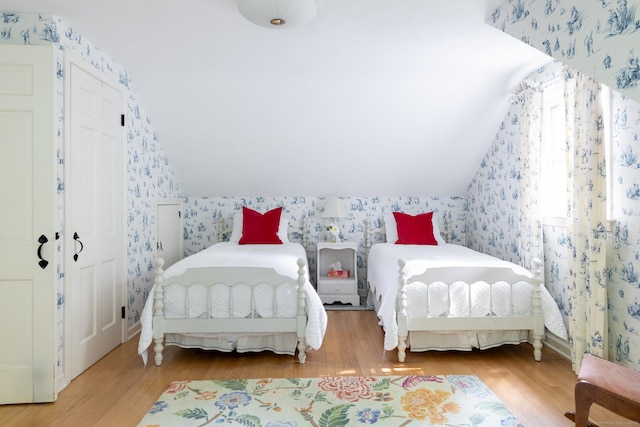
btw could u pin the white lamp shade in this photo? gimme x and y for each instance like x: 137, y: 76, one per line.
x: 334, y: 208
x: 278, y: 13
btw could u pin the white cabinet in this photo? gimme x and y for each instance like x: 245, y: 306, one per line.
x: 84, y: 197
x: 338, y: 289
x: 169, y: 231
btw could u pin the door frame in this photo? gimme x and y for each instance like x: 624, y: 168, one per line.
x: 76, y: 60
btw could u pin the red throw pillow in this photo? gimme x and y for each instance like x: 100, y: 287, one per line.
x: 260, y: 229
x: 414, y: 230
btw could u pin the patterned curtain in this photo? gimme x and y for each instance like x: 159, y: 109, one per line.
x: 530, y: 219
x: 586, y: 219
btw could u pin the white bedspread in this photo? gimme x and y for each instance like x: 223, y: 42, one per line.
x: 382, y: 275
x: 282, y: 258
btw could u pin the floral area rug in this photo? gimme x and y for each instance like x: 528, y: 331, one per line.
x: 449, y: 400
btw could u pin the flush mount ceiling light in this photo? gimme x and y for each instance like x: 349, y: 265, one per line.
x: 278, y: 13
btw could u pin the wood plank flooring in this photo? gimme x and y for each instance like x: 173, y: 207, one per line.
x: 118, y: 390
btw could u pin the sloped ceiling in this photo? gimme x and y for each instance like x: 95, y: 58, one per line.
x: 371, y: 98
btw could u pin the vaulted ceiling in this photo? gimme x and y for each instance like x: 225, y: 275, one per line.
x: 370, y: 98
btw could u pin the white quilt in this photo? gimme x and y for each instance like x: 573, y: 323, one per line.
x: 382, y: 275
x: 282, y: 258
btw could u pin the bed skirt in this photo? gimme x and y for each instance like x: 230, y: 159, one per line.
x: 283, y: 343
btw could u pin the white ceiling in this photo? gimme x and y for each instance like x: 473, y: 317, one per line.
x: 371, y: 98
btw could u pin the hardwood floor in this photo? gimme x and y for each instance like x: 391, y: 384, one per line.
x: 118, y: 390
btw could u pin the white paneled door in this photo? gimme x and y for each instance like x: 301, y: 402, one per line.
x: 95, y: 218
x: 27, y: 190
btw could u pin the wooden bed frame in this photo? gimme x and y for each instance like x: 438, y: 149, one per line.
x: 533, y: 322
x: 229, y: 276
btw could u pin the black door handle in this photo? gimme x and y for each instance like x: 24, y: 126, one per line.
x: 77, y: 239
x: 43, y: 262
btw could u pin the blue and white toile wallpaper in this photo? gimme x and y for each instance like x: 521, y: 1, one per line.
x: 624, y: 288
x: 593, y: 36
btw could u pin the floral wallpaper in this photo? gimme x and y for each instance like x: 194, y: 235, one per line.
x: 599, y: 38
x: 149, y: 175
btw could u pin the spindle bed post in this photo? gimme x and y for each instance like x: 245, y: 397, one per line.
x: 158, y: 311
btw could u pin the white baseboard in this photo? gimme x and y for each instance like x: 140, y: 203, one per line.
x: 134, y: 330
x: 557, y: 345
x: 61, y: 383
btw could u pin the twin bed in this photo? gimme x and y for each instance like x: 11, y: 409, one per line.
x: 443, y: 296
x: 428, y: 295
x: 235, y: 295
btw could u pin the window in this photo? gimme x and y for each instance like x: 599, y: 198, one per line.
x: 554, y: 152
x: 553, y: 180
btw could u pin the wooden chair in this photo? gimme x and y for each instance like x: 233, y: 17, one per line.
x: 609, y: 385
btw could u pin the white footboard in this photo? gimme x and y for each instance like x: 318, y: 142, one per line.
x: 200, y: 289
x: 496, y: 318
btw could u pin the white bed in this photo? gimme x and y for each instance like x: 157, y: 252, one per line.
x: 232, y: 297
x: 449, y: 297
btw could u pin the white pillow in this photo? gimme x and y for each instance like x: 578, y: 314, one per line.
x: 436, y: 230
x: 236, y: 228
x: 392, y: 229
x: 236, y: 231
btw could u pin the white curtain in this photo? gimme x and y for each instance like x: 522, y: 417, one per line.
x: 530, y: 220
x: 586, y: 219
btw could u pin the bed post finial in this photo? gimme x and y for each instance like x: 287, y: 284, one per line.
x: 158, y: 263
x: 367, y: 233
x: 536, y: 269
x: 220, y: 229
x: 305, y: 234
x: 447, y: 229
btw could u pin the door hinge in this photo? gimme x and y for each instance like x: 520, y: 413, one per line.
x: 124, y: 313
x: 179, y: 214
x: 122, y: 120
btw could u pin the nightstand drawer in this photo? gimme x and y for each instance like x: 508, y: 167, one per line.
x: 337, y: 286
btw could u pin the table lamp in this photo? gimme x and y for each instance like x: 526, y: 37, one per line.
x: 334, y: 209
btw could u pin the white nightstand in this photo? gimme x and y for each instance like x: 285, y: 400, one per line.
x: 344, y: 290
